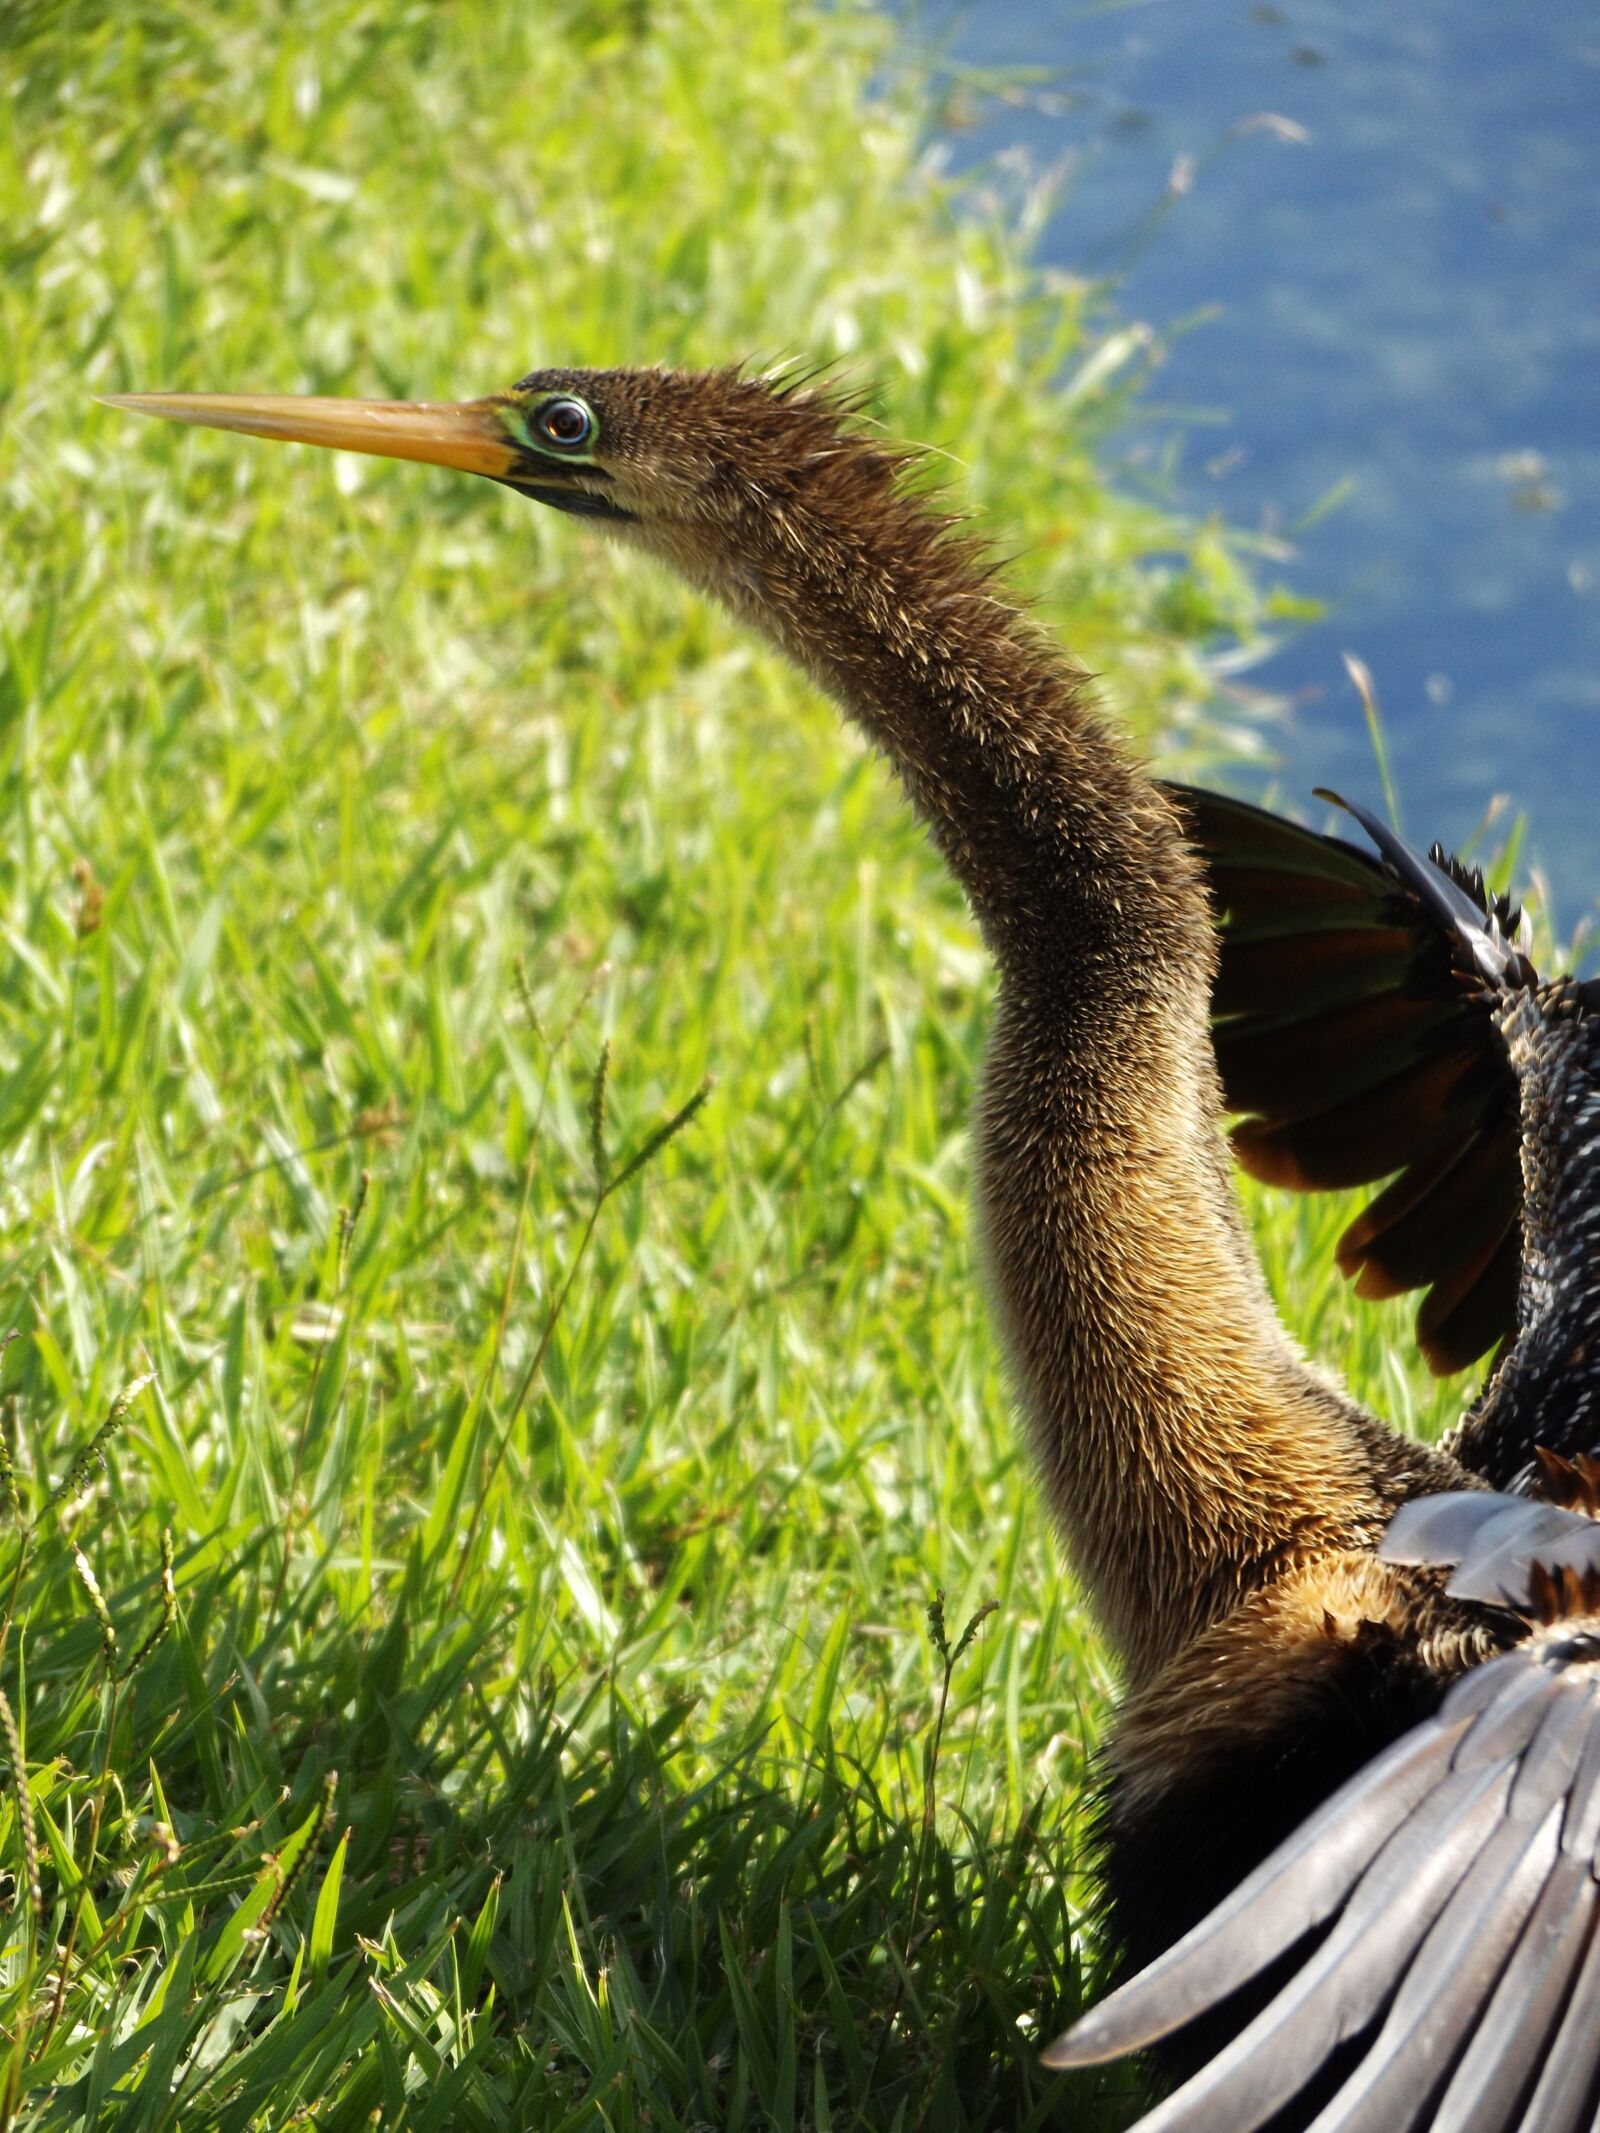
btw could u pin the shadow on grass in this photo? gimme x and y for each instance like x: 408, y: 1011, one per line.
x: 522, y: 1905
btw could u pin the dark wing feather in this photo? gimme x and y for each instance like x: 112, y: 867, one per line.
x: 1429, y: 1107
x: 1457, y: 1874
x: 1303, y: 973
x: 1354, y: 1022
x: 1291, y: 1063
x: 1392, y: 1244
x: 1481, y: 1291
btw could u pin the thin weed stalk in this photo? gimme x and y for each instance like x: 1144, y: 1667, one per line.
x: 606, y: 1185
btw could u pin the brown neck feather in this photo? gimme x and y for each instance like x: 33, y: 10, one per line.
x: 1189, y: 1449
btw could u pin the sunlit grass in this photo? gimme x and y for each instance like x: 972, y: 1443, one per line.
x: 541, y: 1733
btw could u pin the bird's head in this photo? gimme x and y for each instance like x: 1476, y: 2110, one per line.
x: 681, y: 462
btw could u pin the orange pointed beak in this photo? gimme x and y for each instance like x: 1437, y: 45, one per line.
x: 470, y: 434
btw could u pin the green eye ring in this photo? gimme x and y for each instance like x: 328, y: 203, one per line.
x: 565, y: 422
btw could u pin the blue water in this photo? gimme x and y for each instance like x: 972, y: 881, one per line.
x: 1400, y: 311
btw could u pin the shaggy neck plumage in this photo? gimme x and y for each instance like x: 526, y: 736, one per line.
x: 1188, y: 1448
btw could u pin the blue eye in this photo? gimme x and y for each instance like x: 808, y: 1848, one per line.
x: 564, y: 422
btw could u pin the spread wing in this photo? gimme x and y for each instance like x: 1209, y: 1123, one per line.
x: 1355, y: 1023
x: 1456, y: 1878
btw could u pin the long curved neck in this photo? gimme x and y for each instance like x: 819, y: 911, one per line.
x: 1187, y: 1447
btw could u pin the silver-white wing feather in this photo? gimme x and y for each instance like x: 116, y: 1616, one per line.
x: 1457, y: 1880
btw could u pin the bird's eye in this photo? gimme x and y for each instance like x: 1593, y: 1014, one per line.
x: 566, y: 422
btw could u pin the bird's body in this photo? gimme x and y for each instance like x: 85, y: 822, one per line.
x: 1477, y: 1941
x: 1222, y: 1500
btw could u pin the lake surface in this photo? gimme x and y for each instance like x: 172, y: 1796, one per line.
x: 1398, y: 313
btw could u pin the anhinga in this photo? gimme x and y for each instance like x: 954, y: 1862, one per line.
x: 1422, y: 1950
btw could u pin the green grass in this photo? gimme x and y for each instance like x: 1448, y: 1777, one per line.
x: 543, y: 1728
